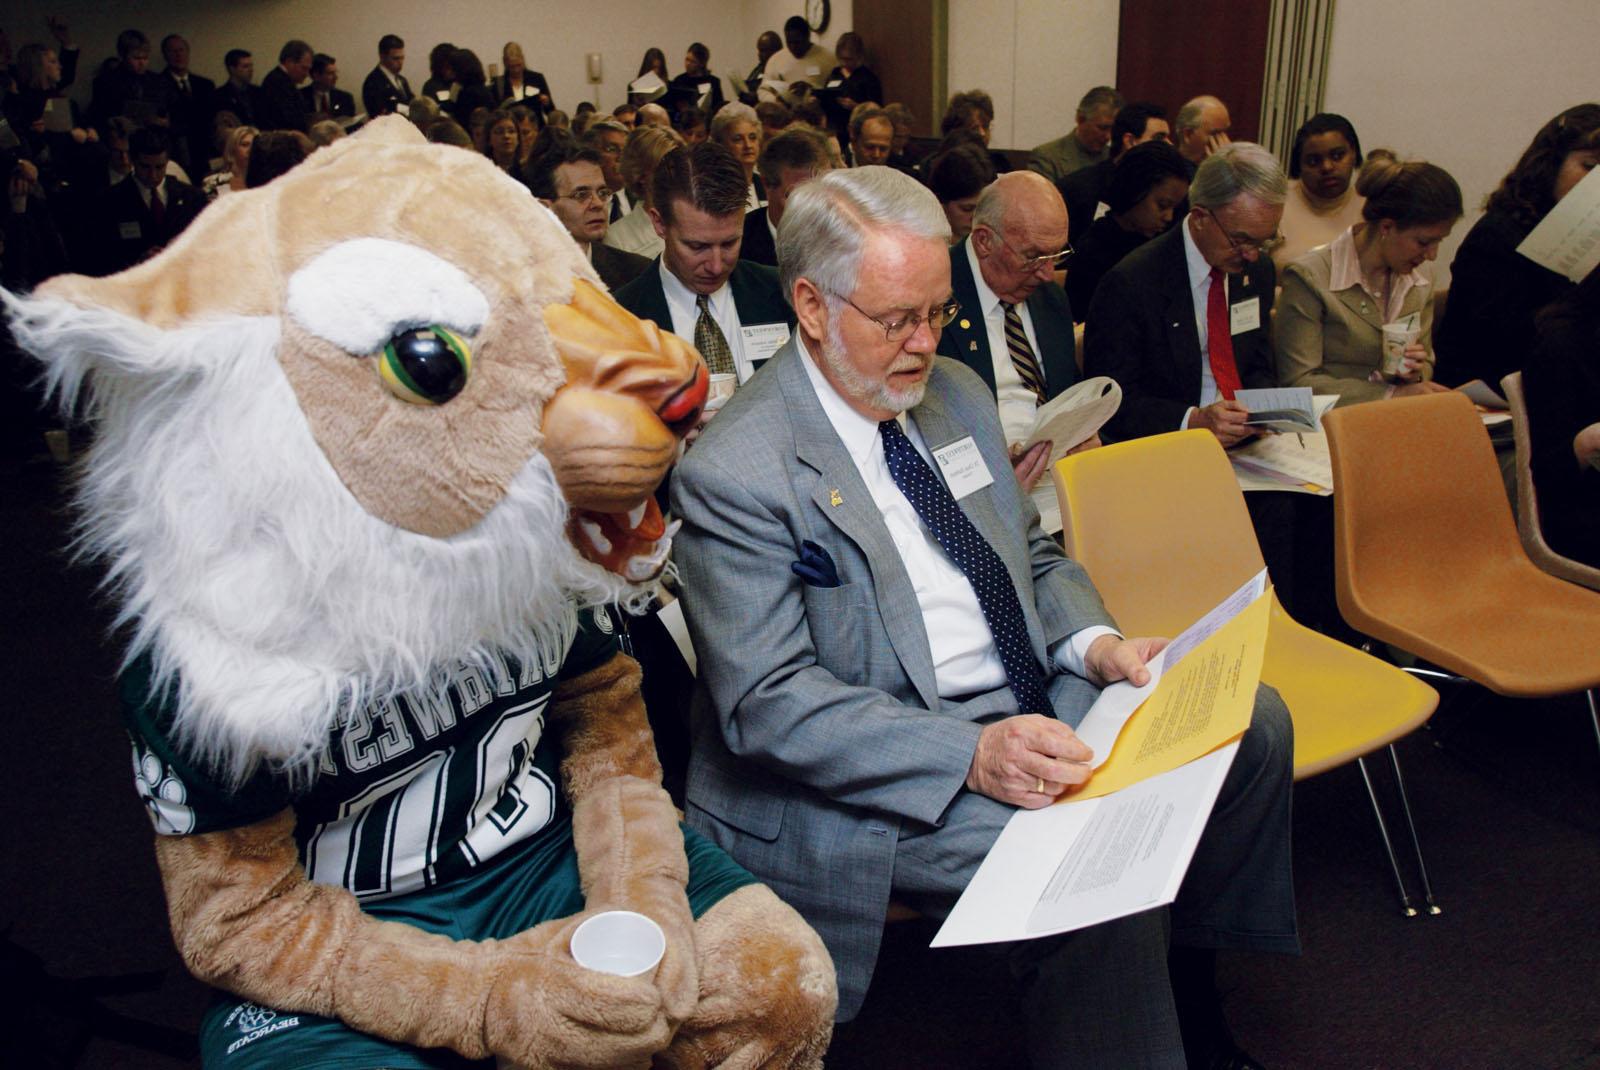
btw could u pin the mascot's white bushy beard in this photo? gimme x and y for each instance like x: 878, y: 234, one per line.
x: 246, y: 567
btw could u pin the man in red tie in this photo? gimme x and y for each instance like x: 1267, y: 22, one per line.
x: 1185, y: 320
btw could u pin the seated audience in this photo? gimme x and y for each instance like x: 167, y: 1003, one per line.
x: 558, y: 120
x: 894, y: 746
x: 799, y: 63
x: 386, y: 89
x: 140, y: 215
x: 957, y: 176
x: 797, y: 155
x: 282, y: 106
x: 1015, y: 324
x: 646, y: 146
x: 1148, y: 184
x: 325, y: 132
x: 609, y: 137
x: 1201, y: 128
x: 236, y: 164
x: 696, y: 88
x: 425, y: 112
x: 276, y: 152
x: 1323, y: 202
x: 774, y: 117
x: 324, y: 99
x: 691, y: 124
x: 848, y: 86
x: 1337, y: 297
x: 738, y: 129
x: 527, y: 121
x: 31, y: 250
x: 446, y: 131
x: 1562, y: 386
x: 440, y: 74
x: 472, y: 90
x: 1494, y: 290
x: 41, y: 76
x: 477, y: 127
x: 871, y: 136
x: 505, y: 143
x: 699, y: 289
x: 520, y: 85
x: 1213, y: 267
x: 904, y: 121
x: 1085, y: 190
x: 972, y: 112
x: 627, y: 115
x: 653, y: 114
x: 1086, y: 144
x: 128, y: 87
x: 239, y: 94
x: 570, y: 181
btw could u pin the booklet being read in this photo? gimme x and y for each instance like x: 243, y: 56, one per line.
x: 1288, y: 408
x: 1070, y: 417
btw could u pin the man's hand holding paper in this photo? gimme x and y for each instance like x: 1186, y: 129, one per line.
x: 1028, y: 760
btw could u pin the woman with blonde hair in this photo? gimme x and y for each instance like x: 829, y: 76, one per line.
x: 519, y: 85
x: 235, y: 163
x: 646, y: 146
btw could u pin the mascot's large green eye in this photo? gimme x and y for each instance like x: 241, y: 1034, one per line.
x: 425, y: 365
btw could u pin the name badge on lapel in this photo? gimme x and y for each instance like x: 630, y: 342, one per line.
x: 1244, y: 316
x: 763, y: 340
x: 963, y: 467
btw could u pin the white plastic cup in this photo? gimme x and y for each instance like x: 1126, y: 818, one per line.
x: 723, y: 384
x: 619, y: 942
x: 1395, y: 339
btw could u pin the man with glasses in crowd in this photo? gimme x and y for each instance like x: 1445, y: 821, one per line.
x: 1015, y: 327
x: 609, y: 137
x: 733, y: 312
x: 570, y: 181
x: 1185, y: 320
x: 892, y: 653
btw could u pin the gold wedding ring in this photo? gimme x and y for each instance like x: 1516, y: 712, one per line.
x: 1040, y: 788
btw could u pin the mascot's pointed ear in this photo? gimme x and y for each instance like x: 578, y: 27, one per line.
x: 391, y: 130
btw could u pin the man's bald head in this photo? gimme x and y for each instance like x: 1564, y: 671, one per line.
x: 1018, y: 228
x: 1198, y: 122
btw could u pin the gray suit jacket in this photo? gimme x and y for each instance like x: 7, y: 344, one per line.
x: 818, y: 728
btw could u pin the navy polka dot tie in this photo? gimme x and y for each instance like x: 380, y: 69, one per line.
x: 975, y: 558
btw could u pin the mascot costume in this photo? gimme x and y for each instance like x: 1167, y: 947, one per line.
x: 373, y: 450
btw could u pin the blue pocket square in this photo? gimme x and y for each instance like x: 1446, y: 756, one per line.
x: 815, y: 566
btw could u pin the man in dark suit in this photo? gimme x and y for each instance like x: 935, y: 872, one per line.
x: 1085, y: 189
x: 699, y: 289
x: 1015, y: 326
x: 282, y: 106
x: 385, y: 89
x: 1185, y: 320
x: 570, y: 181
x: 145, y: 211
x: 323, y: 97
x: 867, y: 722
x: 129, y: 87
x: 239, y: 94
x: 190, y: 104
x: 797, y: 155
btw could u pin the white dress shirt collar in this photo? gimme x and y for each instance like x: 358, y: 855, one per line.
x: 858, y: 433
x: 683, y: 302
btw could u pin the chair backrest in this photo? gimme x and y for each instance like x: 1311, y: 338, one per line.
x: 1527, y: 499
x: 1161, y: 526
x: 1420, y: 503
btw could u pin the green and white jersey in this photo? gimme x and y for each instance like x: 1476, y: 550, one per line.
x: 413, y: 791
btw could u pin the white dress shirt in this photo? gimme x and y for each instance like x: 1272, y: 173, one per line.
x: 1018, y: 404
x: 684, y: 304
x: 1200, y: 293
x: 965, y: 659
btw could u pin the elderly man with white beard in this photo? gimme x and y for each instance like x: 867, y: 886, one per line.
x: 893, y: 655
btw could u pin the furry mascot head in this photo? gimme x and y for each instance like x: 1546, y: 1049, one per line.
x: 375, y: 419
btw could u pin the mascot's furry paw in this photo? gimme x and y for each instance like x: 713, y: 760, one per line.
x: 767, y: 990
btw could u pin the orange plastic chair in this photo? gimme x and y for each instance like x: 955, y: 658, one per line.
x: 1528, y: 529
x: 1161, y: 526
x: 1426, y: 554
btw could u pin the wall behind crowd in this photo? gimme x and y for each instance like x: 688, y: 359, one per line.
x: 555, y: 37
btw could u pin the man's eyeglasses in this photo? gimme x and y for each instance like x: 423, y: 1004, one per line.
x: 1246, y: 244
x: 583, y: 195
x: 898, y: 330
x: 1034, y: 263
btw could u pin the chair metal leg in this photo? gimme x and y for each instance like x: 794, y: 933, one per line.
x: 1406, y: 906
x: 1416, y: 844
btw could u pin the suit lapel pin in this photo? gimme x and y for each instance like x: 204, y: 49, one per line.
x: 972, y: 347
x: 834, y: 499
x: 965, y: 323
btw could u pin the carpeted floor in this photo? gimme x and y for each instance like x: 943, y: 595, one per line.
x: 1506, y: 796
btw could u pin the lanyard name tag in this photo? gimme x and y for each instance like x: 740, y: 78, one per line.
x: 130, y: 231
x: 963, y: 467
x: 761, y: 341
x: 1244, y: 316
x: 836, y: 83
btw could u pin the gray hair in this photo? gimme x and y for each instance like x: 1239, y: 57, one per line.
x: 1188, y: 117
x: 729, y: 114
x: 827, y: 220
x: 1101, y: 96
x: 603, y: 126
x: 1236, y: 169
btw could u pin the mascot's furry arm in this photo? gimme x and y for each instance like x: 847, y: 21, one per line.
x: 246, y: 919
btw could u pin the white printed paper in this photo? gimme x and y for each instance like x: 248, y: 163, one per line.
x: 1567, y: 239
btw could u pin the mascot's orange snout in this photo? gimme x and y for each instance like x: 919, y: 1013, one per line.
x: 633, y: 391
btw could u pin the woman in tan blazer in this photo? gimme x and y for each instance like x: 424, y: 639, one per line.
x: 1337, y: 297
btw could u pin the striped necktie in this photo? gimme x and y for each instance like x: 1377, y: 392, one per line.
x: 1022, y: 357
